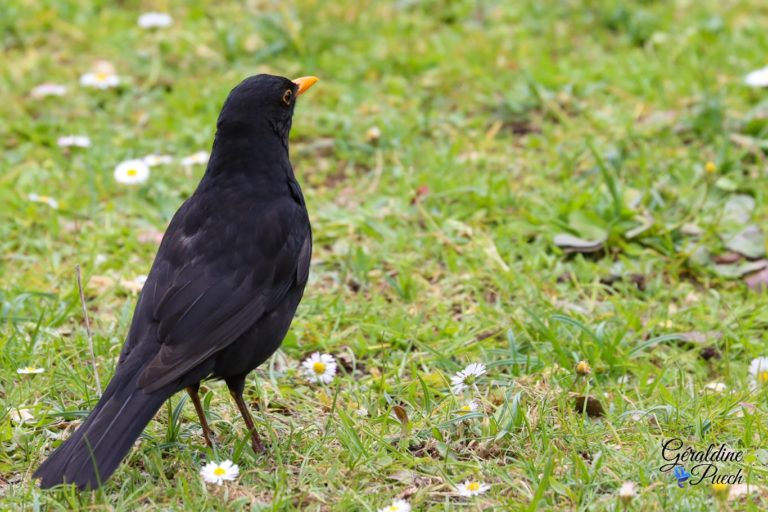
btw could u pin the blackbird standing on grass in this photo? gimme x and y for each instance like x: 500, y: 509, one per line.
x: 222, y: 291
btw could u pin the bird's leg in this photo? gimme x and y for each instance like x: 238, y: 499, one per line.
x: 207, y: 433
x: 236, y: 390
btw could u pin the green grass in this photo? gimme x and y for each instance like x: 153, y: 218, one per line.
x: 502, y: 125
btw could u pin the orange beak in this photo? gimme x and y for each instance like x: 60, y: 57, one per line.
x: 305, y: 83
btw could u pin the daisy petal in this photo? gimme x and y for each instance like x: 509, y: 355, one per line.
x: 155, y: 20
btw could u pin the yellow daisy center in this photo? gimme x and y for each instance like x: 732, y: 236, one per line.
x: 392, y: 508
x: 101, y: 76
x: 719, y: 487
x: 473, y: 486
x: 132, y: 172
x: 710, y: 167
x: 318, y: 367
x: 762, y: 377
x: 219, y: 471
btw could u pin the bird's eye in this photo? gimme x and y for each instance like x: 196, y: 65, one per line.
x: 287, y: 96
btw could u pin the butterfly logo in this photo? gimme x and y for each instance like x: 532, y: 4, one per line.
x: 681, y: 474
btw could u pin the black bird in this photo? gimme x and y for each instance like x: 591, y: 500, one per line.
x: 222, y: 291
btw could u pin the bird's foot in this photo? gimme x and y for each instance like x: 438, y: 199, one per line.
x: 256, y: 444
x: 210, y: 438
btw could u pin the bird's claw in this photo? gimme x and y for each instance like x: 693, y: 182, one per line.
x: 257, y: 445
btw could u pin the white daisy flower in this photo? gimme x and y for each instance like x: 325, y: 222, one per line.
x: 362, y: 412
x: 757, y: 78
x: 717, y: 387
x: 77, y: 141
x: 320, y: 367
x: 44, y: 90
x: 470, y: 406
x: 36, y: 198
x: 100, y: 79
x: 155, y: 20
x: 153, y: 160
x: 467, y: 377
x: 216, y: 473
x: 19, y: 416
x: 472, y: 488
x: 373, y: 134
x: 199, y: 158
x: 26, y: 370
x: 758, y: 369
x: 627, y: 491
x: 397, y: 506
x: 132, y: 172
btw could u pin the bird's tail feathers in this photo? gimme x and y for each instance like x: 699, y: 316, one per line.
x: 97, y: 447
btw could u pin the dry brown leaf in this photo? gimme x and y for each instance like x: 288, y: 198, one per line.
x: 151, y: 236
x: 758, y: 281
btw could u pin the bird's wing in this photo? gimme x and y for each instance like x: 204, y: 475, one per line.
x: 203, y: 300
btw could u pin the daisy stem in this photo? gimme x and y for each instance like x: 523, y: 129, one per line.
x: 88, y: 328
x: 333, y: 409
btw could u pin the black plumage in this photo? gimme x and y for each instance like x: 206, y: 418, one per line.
x: 222, y: 291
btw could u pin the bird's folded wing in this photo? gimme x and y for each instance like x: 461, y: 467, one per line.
x: 199, y: 334
x: 202, y: 312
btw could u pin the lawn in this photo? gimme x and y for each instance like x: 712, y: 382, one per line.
x: 521, y: 184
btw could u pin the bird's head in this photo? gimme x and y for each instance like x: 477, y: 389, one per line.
x: 262, y: 103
